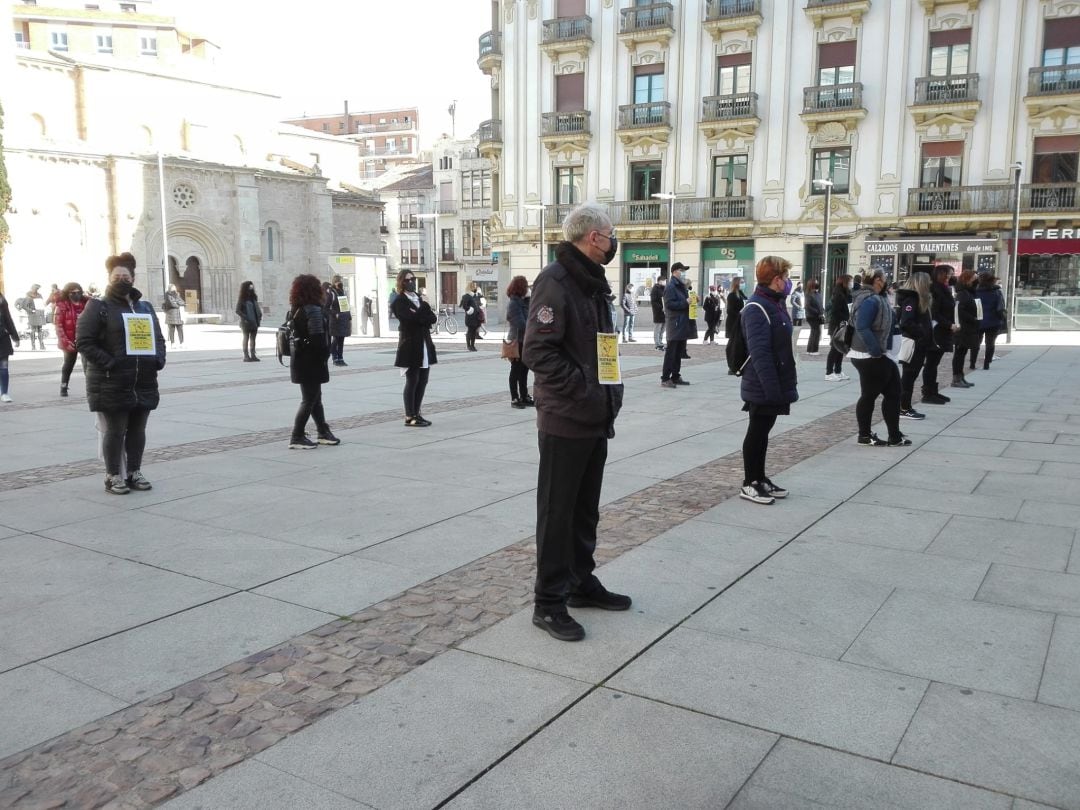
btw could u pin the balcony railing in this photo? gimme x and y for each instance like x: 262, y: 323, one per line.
x: 566, y: 29
x: 490, y: 43
x: 1049, y: 197
x: 447, y: 206
x: 655, y: 212
x: 714, y: 209
x: 638, y: 212
x: 947, y: 89
x: 555, y: 214
x: 1052, y: 81
x: 829, y: 97
x: 726, y: 9
x: 559, y: 123
x: 1034, y: 198
x: 824, y: 3
x: 645, y: 18
x: 490, y: 131
x: 650, y: 114
x: 729, y: 107
x: 447, y: 255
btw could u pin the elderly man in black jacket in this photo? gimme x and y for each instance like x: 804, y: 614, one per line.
x: 575, y: 417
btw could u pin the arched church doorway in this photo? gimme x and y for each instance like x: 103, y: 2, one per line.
x: 192, y: 284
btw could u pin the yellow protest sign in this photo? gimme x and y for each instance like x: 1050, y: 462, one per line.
x: 139, y: 334
x: 607, y: 359
x: 693, y: 306
x: 343, y: 303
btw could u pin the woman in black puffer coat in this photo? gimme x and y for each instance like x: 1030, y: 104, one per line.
x: 913, y: 302
x: 416, y: 350
x: 120, y: 386
x: 968, y: 336
x: 308, y: 369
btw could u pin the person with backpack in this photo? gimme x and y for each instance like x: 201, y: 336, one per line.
x: 993, y: 317
x: 656, y: 301
x: 308, y: 368
x: 769, y: 379
x: 839, y: 312
x: 9, y: 339
x: 869, y: 353
x: 470, y: 303
x: 735, y: 301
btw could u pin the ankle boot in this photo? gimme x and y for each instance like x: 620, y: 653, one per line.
x: 63, y: 390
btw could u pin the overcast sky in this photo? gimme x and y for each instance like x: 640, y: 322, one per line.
x: 376, y: 55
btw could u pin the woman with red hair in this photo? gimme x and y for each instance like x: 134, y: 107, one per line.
x: 517, y: 313
x: 308, y: 369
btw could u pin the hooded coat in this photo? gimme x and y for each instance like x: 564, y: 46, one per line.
x: 769, y: 377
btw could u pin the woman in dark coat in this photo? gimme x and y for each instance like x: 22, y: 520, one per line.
x: 839, y: 312
x: 416, y: 350
x: 337, y: 304
x: 968, y: 335
x: 250, y: 314
x: 769, y: 380
x: 70, y: 304
x: 121, y: 381
x: 517, y: 313
x: 470, y: 304
x: 9, y: 338
x: 815, y: 316
x: 656, y: 303
x: 913, y: 304
x: 308, y: 369
x: 993, y: 317
x: 736, y: 299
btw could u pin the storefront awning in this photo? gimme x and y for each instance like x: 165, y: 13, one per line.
x: 1046, y: 247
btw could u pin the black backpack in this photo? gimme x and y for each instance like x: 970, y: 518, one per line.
x: 285, y: 338
x: 738, y: 354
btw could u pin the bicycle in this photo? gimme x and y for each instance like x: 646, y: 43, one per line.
x: 445, y: 321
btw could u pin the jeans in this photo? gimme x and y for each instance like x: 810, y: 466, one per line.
x: 878, y: 377
x: 908, y: 375
x: 248, y: 340
x: 628, y: 325
x: 4, y: 375
x: 337, y: 347
x: 124, y: 430
x: 519, y: 380
x: 814, y: 340
x: 833, y: 362
x: 65, y: 370
x: 710, y: 332
x: 673, y: 360
x: 658, y: 334
x: 569, y: 480
x: 755, y: 445
x: 310, y: 406
x: 415, y: 384
x: 989, y: 337
x: 174, y: 330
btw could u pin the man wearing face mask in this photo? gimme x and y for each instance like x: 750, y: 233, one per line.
x: 679, y: 329
x: 575, y: 417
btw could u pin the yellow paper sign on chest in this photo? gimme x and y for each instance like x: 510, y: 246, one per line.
x: 139, y: 334
x: 607, y: 359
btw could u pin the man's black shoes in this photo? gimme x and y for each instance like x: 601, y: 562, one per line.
x: 559, y: 625
x: 601, y: 598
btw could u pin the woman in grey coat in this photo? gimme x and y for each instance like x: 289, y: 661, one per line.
x: 174, y: 314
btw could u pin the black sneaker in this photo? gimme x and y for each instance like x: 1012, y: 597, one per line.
x: 302, y: 443
x: 668, y: 384
x: 773, y: 489
x: 559, y: 625
x: 421, y: 421
x: 601, y: 598
x: 911, y: 413
x: 138, y: 481
x: 326, y: 437
x: 681, y: 381
x: 902, y: 441
x: 872, y: 441
x: 116, y: 485
x: 756, y: 492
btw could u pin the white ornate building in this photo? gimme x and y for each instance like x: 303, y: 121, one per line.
x: 914, y: 109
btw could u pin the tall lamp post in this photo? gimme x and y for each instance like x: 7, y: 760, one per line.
x: 434, y: 217
x: 543, y: 245
x: 1010, y: 286
x: 164, y: 226
x: 827, y: 185
x: 663, y: 195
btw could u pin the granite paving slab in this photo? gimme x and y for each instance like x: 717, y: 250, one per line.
x: 796, y: 611
x: 840, y: 705
x: 736, y: 544
x: 939, y: 461
x: 1050, y: 513
x: 949, y: 503
x: 252, y: 785
x: 958, y: 445
x: 616, y: 750
x: 1068, y: 454
x: 1059, y: 469
x: 988, y: 647
x: 1014, y: 746
x: 797, y: 776
x: 1002, y: 541
x: 1030, y: 487
x: 792, y: 514
x: 1060, y: 684
x: 341, y: 586
x: 1032, y: 589
x: 901, y: 527
x: 952, y: 479
x: 454, y: 717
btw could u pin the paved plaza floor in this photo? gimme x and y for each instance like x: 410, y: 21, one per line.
x: 349, y: 627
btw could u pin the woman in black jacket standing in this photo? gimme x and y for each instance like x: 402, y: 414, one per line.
x: 470, y: 304
x: 416, y: 350
x: 308, y: 369
x: 517, y: 314
x: 250, y: 314
x: 839, y: 312
x: 815, y: 316
x: 967, y: 336
x: 124, y: 349
x: 656, y: 303
x: 735, y: 301
x: 942, y: 317
x: 913, y: 303
x: 9, y: 338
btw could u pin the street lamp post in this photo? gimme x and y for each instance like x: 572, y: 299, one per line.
x: 663, y: 195
x: 434, y: 217
x: 543, y: 245
x: 1010, y: 286
x: 164, y: 227
x: 827, y: 185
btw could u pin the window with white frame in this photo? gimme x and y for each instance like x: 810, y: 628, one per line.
x: 476, y: 188
x: 476, y: 239
x: 412, y: 250
x: 104, y: 43
x: 58, y: 40
x: 148, y: 44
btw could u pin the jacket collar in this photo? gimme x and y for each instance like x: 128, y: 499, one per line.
x: 586, y: 273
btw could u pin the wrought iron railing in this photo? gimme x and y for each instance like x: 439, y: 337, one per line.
x: 490, y: 43
x: 1050, y: 81
x: 555, y: 214
x: 566, y: 29
x: 724, y: 9
x: 490, y: 131
x: 822, y: 3
x: 650, y: 114
x: 447, y: 206
x: 557, y: 123
x: 729, y: 107
x: 946, y: 89
x: 713, y: 209
x: 995, y: 199
x: 645, y: 18
x: 828, y: 97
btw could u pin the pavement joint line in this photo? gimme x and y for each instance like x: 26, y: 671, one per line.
x: 753, y: 773
x: 1046, y: 657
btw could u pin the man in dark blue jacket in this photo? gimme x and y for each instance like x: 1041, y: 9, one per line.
x: 575, y: 417
x: 679, y: 329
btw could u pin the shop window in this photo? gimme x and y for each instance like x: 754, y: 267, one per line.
x: 835, y: 165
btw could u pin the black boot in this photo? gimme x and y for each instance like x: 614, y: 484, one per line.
x: 930, y: 396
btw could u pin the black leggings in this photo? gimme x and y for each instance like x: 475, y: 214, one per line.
x: 959, y: 353
x: 814, y: 340
x: 519, y: 380
x: 415, y: 384
x: 337, y: 347
x: 989, y: 336
x: 833, y: 362
x: 710, y: 332
x: 755, y: 445
x: 470, y: 335
x: 310, y: 406
x: 65, y: 370
x: 878, y: 377
x: 908, y: 375
x: 125, y: 431
x: 930, y: 370
x: 247, y: 341
x: 174, y: 330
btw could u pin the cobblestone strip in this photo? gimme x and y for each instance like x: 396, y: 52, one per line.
x: 174, y: 741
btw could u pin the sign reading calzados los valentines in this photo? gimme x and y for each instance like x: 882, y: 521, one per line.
x: 891, y: 246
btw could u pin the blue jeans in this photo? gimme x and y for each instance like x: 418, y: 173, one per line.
x: 628, y: 325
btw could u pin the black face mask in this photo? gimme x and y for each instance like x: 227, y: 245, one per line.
x: 121, y: 288
x: 613, y: 248
x: 76, y: 297
x: 410, y: 285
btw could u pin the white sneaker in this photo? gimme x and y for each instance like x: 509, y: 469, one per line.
x: 841, y: 377
x: 756, y: 493
x: 5, y: 398
x: 832, y: 378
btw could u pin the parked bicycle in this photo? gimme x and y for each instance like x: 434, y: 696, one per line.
x: 446, y: 322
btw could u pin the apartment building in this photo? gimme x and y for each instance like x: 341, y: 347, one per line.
x: 717, y: 132
x: 385, y: 137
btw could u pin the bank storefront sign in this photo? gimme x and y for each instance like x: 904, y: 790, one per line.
x: 889, y: 247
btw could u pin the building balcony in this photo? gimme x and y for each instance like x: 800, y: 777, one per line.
x: 730, y: 115
x: 952, y: 98
x: 833, y: 102
x: 1046, y: 199
x: 555, y: 214
x: 448, y: 207
x: 447, y: 255
x: 1050, y: 88
x: 567, y: 35
x: 697, y: 210
x: 644, y: 123
x: 653, y: 24
x: 722, y: 16
x: 932, y: 5
x: 561, y: 131
x: 490, y: 57
x: 489, y: 137
x: 821, y: 10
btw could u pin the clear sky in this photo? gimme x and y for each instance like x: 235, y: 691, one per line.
x: 316, y: 54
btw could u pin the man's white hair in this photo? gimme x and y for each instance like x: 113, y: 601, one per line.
x: 583, y: 219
